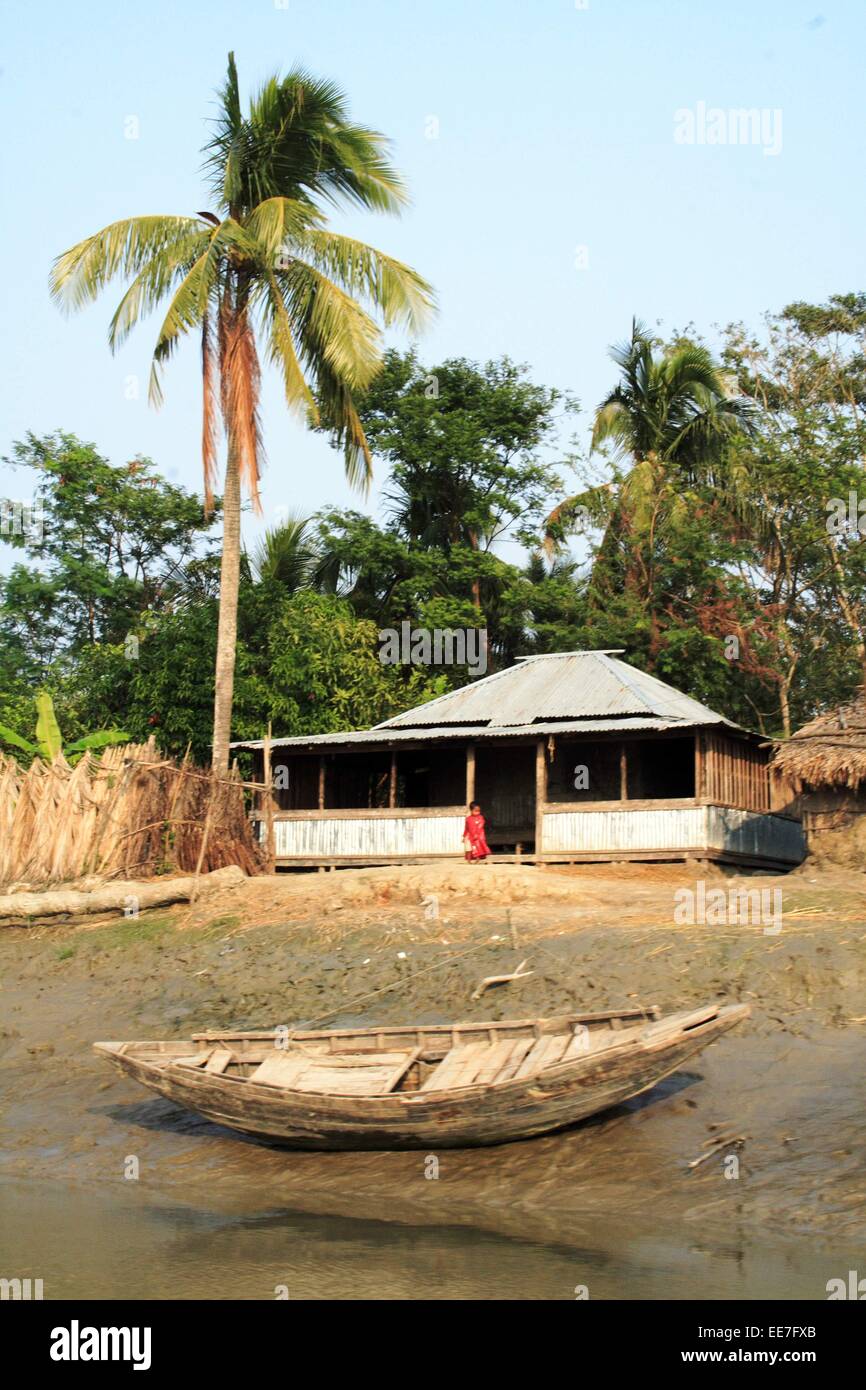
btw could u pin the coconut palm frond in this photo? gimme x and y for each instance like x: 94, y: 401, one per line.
x: 287, y: 554
x: 152, y: 283
x: 338, y: 414
x: 123, y: 249
x: 331, y: 326
x: 570, y: 514
x: 396, y: 290
x: 282, y: 352
x: 277, y: 224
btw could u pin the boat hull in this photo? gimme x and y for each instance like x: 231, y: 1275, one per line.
x: 499, y: 1113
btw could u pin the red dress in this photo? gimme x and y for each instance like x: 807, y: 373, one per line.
x: 473, y: 831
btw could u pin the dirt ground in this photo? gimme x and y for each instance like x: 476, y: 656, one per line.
x: 412, y: 944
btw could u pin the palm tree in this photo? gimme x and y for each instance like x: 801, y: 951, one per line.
x: 288, y: 555
x: 263, y: 274
x: 668, y: 421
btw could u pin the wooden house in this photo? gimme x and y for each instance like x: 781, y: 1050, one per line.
x: 574, y: 756
x: 821, y: 772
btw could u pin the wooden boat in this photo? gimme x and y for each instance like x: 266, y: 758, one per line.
x: 428, y: 1087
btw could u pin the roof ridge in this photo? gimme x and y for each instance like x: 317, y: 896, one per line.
x: 663, y: 687
x: 610, y: 666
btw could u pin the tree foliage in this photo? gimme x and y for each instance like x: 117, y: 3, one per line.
x: 736, y: 570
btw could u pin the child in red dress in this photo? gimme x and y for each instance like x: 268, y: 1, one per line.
x: 474, y: 840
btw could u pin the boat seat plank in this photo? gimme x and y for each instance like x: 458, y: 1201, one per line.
x: 673, y: 1023
x: 198, y: 1059
x: 498, y: 1055
x: 219, y: 1060
x: 280, y: 1068
x: 581, y: 1046
x: 545, y: 1052
x: 460, y: 1067
x: 375, y: 1074
x: 519, y: 1049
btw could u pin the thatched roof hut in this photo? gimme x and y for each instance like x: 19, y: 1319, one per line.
x: 829, y: 752
x: 824, y: 766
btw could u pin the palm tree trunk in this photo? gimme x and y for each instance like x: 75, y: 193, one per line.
x: 227, y: 631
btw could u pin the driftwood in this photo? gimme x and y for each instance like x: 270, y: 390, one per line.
x: 489, y: 980
x: 715, y: 1146
x: 18, y: 909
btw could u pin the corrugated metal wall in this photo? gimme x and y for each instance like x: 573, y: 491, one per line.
x: 379, y: 835
x: 616, y: 831
x: 745, y: 832
x: 700, y: 827
x: 586, y: 832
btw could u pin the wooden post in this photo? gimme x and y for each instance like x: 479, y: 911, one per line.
x: 321, y: 784
x: 623, y: 774
x: 392, y: 783
x: 470, y: 773
x: 540, y: 794
x: 269, y: 805
x: 699, y: 766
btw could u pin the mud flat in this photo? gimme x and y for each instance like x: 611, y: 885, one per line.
x: 612, y: 1205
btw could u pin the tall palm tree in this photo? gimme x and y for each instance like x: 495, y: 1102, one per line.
x: 264, y: 273
x: 667, y: 421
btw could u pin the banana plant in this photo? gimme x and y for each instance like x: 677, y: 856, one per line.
x: 49, y: 740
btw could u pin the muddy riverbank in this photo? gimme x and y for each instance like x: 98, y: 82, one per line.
x: 612, y: 1204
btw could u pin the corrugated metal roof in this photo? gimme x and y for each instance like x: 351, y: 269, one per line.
x: 566, y: 692
x: 566, y: 685
x: 368, y: 737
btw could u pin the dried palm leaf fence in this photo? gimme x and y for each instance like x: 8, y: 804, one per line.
x: 126, y: 812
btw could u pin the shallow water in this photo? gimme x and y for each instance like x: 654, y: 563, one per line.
x: 615, y: 1204
x: 125, y: 1245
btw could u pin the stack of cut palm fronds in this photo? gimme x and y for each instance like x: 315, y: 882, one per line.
x: 125, y: 812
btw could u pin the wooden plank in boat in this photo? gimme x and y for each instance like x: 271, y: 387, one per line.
x: 375, y: 1074
x: 219, y: 1060
x: 280, y: 1069
x: 338, y: 1081
x: 582, y: 1046
x: 460, y: 1067
x: 545, y: 1052
x: 498, y: 1056
x: 677, y: 1023
x: 198, y: 1059
x: 519, y: 1049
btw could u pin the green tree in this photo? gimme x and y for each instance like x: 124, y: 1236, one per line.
x: 264, y: 273
x: 114, y: 544
x: 391, y: 580
x: 465, y: 445
x: 803, y: 467
x: 319, y: 672
x: 666, y: 424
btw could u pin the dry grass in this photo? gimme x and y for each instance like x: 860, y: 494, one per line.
x: 127, y: 812
x: 828, y: 752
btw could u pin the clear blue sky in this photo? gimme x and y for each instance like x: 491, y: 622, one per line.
x: 556, y: 131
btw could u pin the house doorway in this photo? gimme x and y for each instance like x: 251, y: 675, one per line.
x: 505, y: 787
